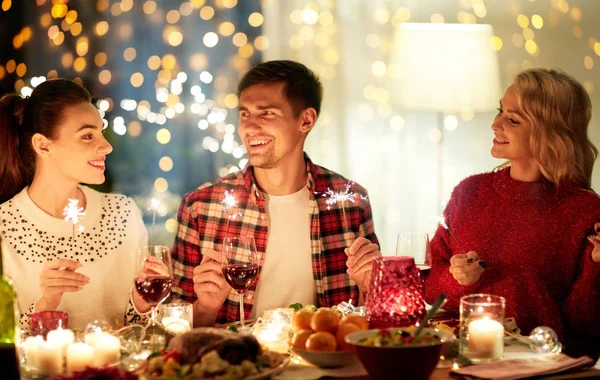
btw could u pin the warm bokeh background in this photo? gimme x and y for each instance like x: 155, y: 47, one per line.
x: 165, y: 74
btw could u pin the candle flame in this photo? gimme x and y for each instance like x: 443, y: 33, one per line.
x: 455, y: 366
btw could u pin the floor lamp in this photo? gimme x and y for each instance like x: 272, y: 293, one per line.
x: 444, y: 68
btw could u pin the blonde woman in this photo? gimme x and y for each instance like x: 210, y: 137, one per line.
x: 527, y: 231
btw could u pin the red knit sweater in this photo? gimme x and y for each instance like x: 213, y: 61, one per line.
x: 533, y: 240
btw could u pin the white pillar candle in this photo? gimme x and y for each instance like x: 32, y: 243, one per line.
x: 79, y: 356
x: 107, y: 350
x: 32, y: 346
x: 486, y: 339
x: 49, y: 358
x: 60, y: 338
x: 176, y: 325
x: 90, y: 337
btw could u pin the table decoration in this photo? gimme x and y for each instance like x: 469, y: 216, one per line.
x: 481, y: 334
x: 177, y: 316
x: 42, y: 322
x: 79, y: 356
x: 395, y: 293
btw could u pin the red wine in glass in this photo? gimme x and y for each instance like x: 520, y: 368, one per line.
x: 240, y: 276
x: 153, y: 289
x: 239, y: 264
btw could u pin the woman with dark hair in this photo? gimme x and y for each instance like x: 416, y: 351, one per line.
x: 528, y: 230
x: 52, y: 141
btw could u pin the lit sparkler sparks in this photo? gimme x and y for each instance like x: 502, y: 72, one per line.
x: 154, y: 205
x: 72, y: 213
x: 334, y: 197
x: 442, y: 221
x: 229, y: 204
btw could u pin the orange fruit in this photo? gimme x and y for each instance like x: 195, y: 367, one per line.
x: 299, y: 339
x: 321, y: 341
x: 325, y: 319
x: 357, y: 320
x: 344, y: 330
x: 301, y: 320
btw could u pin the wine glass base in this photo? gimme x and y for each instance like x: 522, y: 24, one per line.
x: 154, y: 337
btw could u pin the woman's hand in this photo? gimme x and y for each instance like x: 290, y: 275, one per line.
x: 152, y: 267
x: 56, y: 278
x: 595, y: 240
x: 466, y: 268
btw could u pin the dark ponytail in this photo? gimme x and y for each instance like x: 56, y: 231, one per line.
x: 21, y: 118
x: 11, y: 169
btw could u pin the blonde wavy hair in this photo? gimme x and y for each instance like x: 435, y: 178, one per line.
x: 559, y: 110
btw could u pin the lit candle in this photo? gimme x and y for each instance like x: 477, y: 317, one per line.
x: 49, y: 358
x: 272, y: 336
x: 176, y: 325
x: 32, y: 346
x: 79, y: 356
x: 486, y: 339
x: 107, y: 349
x: 60, y: 338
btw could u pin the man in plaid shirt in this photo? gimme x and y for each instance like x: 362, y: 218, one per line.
x: 309, y: 251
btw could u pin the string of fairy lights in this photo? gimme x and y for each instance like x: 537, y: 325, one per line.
x: 200, y: 48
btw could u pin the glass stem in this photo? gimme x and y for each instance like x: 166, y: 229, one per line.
x: 242, y: 310
x: 153, y: 314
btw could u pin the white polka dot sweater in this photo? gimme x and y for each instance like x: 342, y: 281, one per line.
x: 112, y: 231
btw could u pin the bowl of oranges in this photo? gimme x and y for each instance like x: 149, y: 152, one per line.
x: 319, y: 336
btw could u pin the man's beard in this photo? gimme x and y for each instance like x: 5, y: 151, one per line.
x: 266, y: 160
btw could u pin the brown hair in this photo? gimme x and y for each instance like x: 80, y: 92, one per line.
x: 559, y: 110
x: 302, y: 86
x: 21, y: 118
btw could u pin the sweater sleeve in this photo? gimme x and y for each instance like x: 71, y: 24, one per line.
x: 582, y: 307
x: 440, y: 280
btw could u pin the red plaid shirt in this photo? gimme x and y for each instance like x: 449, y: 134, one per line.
x: 203, y: 225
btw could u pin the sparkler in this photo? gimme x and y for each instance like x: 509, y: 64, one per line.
x: 334, y: 197
x: 154, y: 205
x: 72, y: 213
x: 442, y: 221
x: 229, y: 204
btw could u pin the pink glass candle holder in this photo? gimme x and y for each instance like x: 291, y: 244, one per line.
x: 395, y: 296
x: 44, y: 321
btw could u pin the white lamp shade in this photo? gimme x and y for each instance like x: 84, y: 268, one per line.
x: 445, y: 67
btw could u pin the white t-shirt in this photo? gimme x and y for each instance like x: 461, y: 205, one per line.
x: 113, y: 230
x: 286, y: 276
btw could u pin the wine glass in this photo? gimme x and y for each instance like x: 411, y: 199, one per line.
x: 239, y: 263
x: 153, y: 281
x: 415, y: 245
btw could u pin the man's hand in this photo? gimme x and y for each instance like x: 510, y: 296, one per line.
x: 360, y: 261
x: 56, y: 278
x: 466, y: 268
x: 209, y: 284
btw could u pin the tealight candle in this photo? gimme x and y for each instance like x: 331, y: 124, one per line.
x: 79, y: 356
x: 486, y: 338
x: 32, y: 346
x: 107, y: 349
x: 176, y: 325
x: 49, y: 358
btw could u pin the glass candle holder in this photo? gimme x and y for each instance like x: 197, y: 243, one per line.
x: 44, y: 321
x: 395, y: 297
x: 274, y: 328
x: 482, y: 327
x: 177, y: 316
